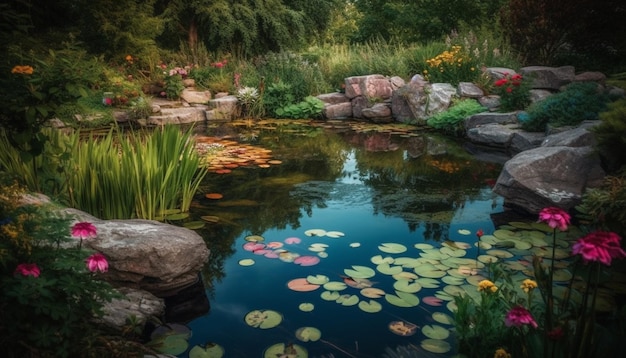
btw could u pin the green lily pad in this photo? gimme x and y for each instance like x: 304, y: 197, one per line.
x: 315, y: 232
x: 173, y: 344
x: 426, y: 282
x: 194, y: 225
x: 372, y: 292
x: 209, y: 350
x: 306, y: 307
x: 435, y: 331
x: 330, y: 295
x: 407, y: 262
x: 406, y: 286
x: 334, y: 234
x: 404, y: 275
x: 308, y: 334
x: 435, y: 346
x: 388, y: 270
x: 402, y: 299
x: 423, y: 246
x: 443, y: 318
x: 464, y: 232
x: 360, y: 272
x: 317, y: 279
x: 370, y: 306
x: 285, y: 351
x: 254, y: 238
x: 392, y: 248
x: 263, y: 319
x: 348, y: 300
x: 335, y: 286
x: 246, y: 262
x: 176, y: 217
x: 379, y: 259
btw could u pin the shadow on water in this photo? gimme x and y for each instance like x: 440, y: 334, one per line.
x: 372, y: 184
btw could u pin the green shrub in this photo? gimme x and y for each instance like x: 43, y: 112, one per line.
x: 605, y: 207
x: 311, y: 107
x: 611, y: 136
x: 451, y: 121
x: 277, y: 96
x: 577, y: 103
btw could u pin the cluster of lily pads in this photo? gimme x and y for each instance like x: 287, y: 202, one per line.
x: 444, y: 270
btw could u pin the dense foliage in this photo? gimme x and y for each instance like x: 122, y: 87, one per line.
x: 611, y: 136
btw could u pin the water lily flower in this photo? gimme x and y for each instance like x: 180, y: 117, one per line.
x: 28, y: 270
x: 519, y: 316
x: 599, y: 246
x: 84, y: 230
x: 97, y: 263
x: 480, y: 233
x: 555, y: 217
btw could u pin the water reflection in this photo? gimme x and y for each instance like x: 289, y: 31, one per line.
x: 373, y: 182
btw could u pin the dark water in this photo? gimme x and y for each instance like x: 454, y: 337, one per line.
x: 374, y: 185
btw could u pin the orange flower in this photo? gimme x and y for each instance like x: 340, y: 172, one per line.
x: 23, y: 70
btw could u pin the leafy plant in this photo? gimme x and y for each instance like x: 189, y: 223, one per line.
x: 311, y: 107
x: 453, y: 65
x: 605, y: 207
x: 451, y: 121
x: 49, y: 299
x: 610, y: 135
x: 514, y: 92
x: 278, y: 95
x: 577, y: 103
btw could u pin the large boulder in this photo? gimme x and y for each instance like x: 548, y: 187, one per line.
x: 549, y: 78
x: 139, y: 304
x: 145, y: 254
x: 549, y: 176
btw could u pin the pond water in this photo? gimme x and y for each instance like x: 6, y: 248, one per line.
x: 299, y: 232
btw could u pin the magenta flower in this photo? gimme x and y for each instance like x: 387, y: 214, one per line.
x: 97, y: 262
x: 599, y: 246
x: 84, y: 230
x: 28, y: 270
x: 555, y: 217
x: 519, y: 316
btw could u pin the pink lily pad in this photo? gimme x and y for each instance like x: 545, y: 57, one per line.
x: 271, y: 255
x: 274, y: 245
x: 432, y: 301
x: 293, y: 240
x: 253, y: 246
x: 307, y: 260
x: 261, y: 252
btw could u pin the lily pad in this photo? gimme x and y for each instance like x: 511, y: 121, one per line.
x: 173, y: 344
x: 246, y: 262
x: 308, y: 334
x: 335, y: 286
x: 423, y: 246
x: 379, y: 259
x: 435, y: 345
x: 330, y: 295
x: 360, y: 272
x: 428, y: 282
x: 306, y: 260
x: 315, y: 232
x: 301, y: 285
x: 370, y: 306
x: 209, y: 350
x: 402, y: 299
x: 334, y: 234
x: 392, y: 248
x: 432, y: 301
x: 306, y: 307
x: 402, y: 328
x: 176, y: 217
x: 388, y: 270
x: 404, y: 275
x: 406, y: 286
x: 348, y: 300
x: 263, y: 319
x: 283, y: 350
x: 254, y: 238
x: 464, y: 232
x: 317, y: 279
x: 435, y: 331
x: 194, y: 225
x: 443, y: 318
x: 372, y: 292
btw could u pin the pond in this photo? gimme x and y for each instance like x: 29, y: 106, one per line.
x: 331, y: 238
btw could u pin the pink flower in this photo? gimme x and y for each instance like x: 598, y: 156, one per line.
x: 97, y: 262
x: 28, y: 270
x: 501, y: 82
x: 555, y: 217
x: 84, y: 230
x: 480, y: 233
x: 519, y: 316
x: 599, y: 246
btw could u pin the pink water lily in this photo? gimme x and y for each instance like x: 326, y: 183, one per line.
x: 555, y: 218
x: 28, y: 270
x: 97, y: 263
x: 599, y: 246
x: 84, y: 230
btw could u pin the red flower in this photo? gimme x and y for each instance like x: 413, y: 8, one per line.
x: 501, y: 82
x: 599, y: 246
x: 519, y: 316
x: 555, y: 334
x: 480, y: 233
x: 97, y: 262
x: 28, y: 270
x: 509, y: 89
x: 555, y: 217
x: 84, y: 230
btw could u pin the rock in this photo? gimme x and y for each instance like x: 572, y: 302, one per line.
x: 492, y: 102
x: 222, y: 109
x: 358, y: 104
x: 136, y: 303
x: 469, y: 90
x: 496, y: 73
x: 373, y: 87
x: 577, y: 137
x: 378, y: 113
x: 333, y: 98
x: 493, y: 135
x: 549, y: 176
x: 189, y: 82
x: 338, y: 111
x: 180, y: 115
x: 145, y: 254
x: 537, y: 95
x: 480, y: 119
x: 597, y: 77
x: 192, y: 96
x: 550, y: 78
x: 522, y: 140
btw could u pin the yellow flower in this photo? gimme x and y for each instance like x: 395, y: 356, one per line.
x: 486, y: 285
x: 501, y: 353
x: 129, y: 58
x: 528, y: 285
x: 23, y: 70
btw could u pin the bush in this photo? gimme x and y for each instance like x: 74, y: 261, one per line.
x: 577, y: 103
x: 451, y: 121
x: 605, y: 207
x: 277, y: 96
x: 611, y: 136
x: 311, y: 107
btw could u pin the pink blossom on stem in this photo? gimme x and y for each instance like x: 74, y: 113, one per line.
x: 28, y: 270
x: 519, y: 316
x: 555, y: 217
x: 84, y: 230
x: 599, y: 246
x: 97, y: 263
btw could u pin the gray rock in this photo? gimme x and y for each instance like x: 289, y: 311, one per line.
x: 222, y: 109
x: 378, y: 113
x: 493, y: 135
x: 180, y: 115
x: 190, y: 95
x: 333, y: 98
x: 469, y: 90
x: 338, y: 111
x: 480, y: 119
x: 550, y: 78
x: 136, y: 303
x: 548, y: 176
